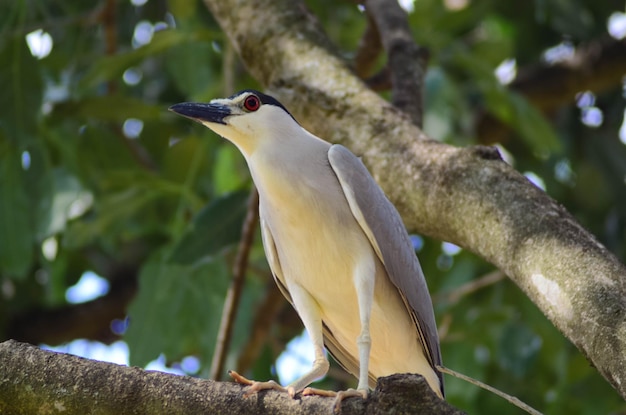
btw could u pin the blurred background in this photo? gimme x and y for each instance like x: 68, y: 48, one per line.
x: 119, y: 221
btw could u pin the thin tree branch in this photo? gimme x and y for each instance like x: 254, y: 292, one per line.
x: 380, y: 81
x: 455, y: 295
x: 265, y: 317
x: 406, y: 60
x: 368, y: 50
x: 35, y: 381
x: 511, y: 399
x: 233, y: 296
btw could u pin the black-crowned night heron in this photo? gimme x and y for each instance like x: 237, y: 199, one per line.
x: 337, y: 247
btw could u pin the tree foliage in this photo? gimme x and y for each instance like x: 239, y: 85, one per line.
x: 95, y: 175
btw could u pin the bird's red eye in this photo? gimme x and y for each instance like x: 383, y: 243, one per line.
x: 252, y: 103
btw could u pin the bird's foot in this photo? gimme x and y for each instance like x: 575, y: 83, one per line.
x: 339, y: 396
x: 254, y: 386
x: 318, y: 392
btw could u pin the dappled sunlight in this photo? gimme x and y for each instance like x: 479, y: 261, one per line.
x: 87, y: 288
x: 40, y: 43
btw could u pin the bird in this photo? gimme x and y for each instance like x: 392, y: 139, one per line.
x: 336, y: 246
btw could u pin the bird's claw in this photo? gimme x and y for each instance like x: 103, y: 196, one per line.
x: 254, y: 386
x: 318, y: 392
x: 350, y: 393
x: 239, y: 379
x: 339, y: 396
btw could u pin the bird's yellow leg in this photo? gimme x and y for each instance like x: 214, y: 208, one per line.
x: 364, y: 279
x: 309, y: 312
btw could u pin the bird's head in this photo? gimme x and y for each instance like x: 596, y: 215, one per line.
x: 248, y: 118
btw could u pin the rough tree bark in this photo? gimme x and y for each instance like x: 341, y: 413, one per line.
x: 34, y: 381
x: 467, y: 196
x: 406, y: 61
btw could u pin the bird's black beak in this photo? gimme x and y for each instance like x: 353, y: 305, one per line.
x: 214, y: 113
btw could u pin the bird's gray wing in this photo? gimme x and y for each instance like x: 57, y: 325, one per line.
x: 272, y: 259
x: 383, y: 226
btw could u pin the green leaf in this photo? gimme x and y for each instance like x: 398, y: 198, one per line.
x: 510, y: 107
x: 533, y: 126
x: 116, y: 108
x: 519, y: 348
x: 230, y: 171
x: 112, y: 67
x: 22, y: 89
x: 66, y: 193
x: 495, y: 43
x: 16, y: 214
x: 570, y: 17
x: 183, y: 10
x: 177, y: 310
x: 446, y: 111
x: 113, y: 215
x: 188, y: 156
x: 101, y: 151
x: 191, y: 68
x: 214, y: 228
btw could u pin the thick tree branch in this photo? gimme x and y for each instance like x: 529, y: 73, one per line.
x: 466, y: 196
x: 34, y: 381
x: 405, y: 59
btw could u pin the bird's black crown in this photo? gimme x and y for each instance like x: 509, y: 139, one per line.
x: 265, y: 99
